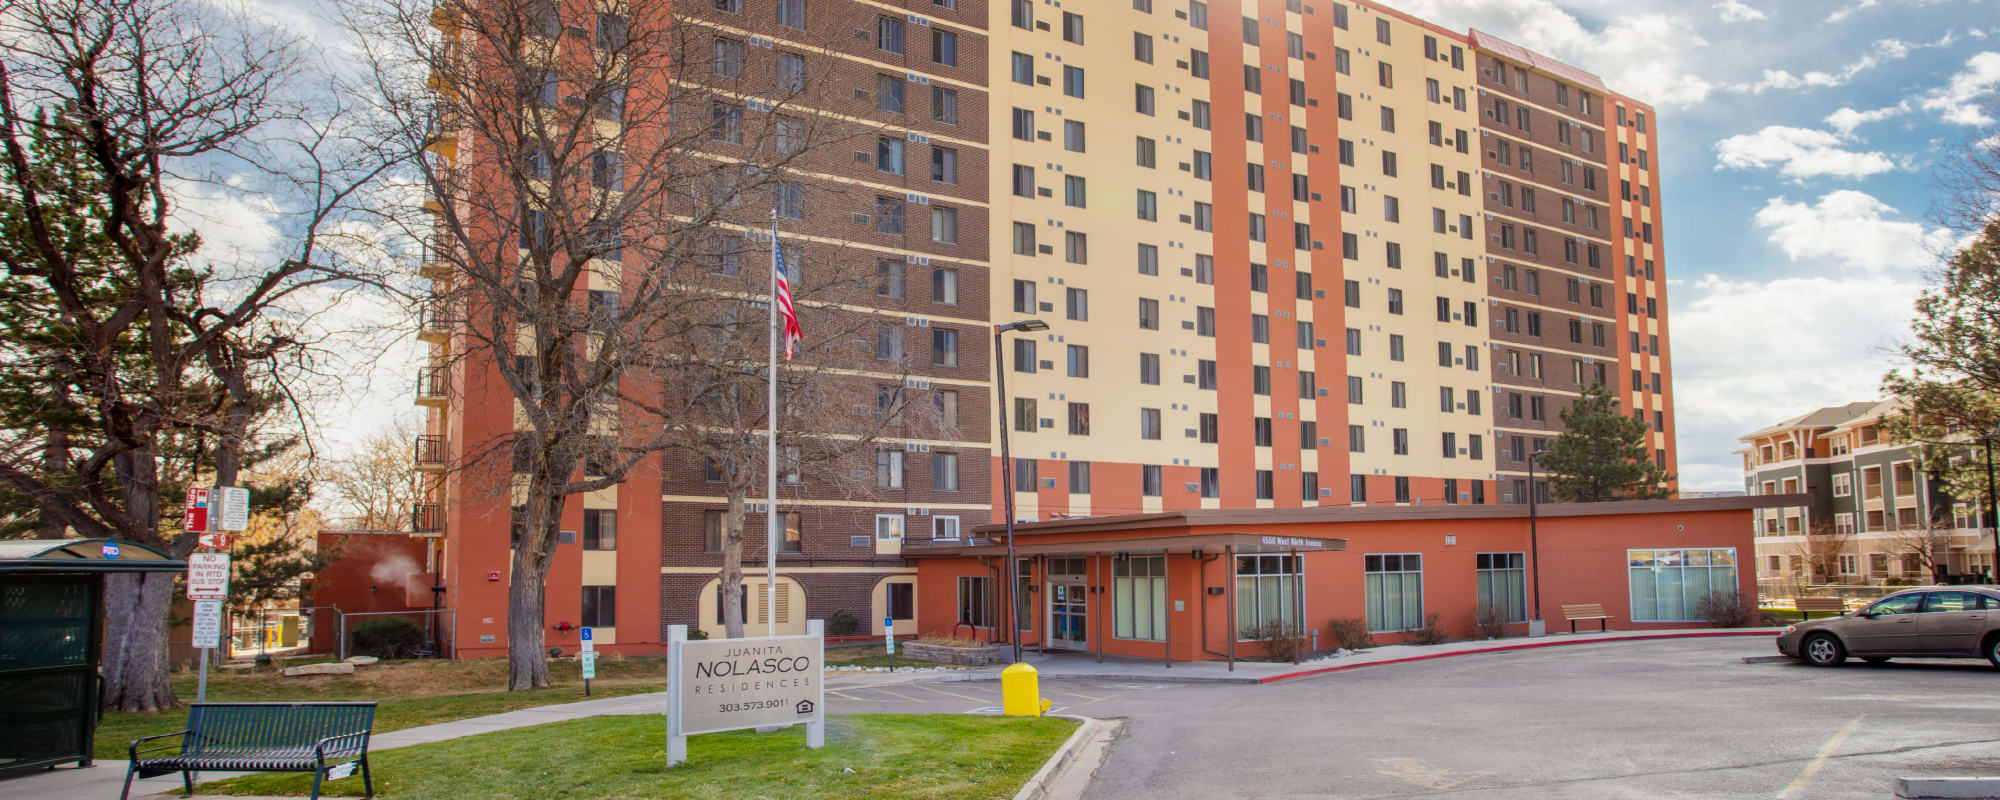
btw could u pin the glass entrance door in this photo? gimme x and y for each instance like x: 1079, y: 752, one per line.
x: 1068, y: 616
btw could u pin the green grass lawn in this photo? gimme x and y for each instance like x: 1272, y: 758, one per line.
x: 893, y: 757
x: 409, y: 693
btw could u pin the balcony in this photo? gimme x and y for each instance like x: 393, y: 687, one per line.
x: 435, y: 321
x: 431, y: 453
x: 427, y: 519
x: 433, y: 387
x: 1871, y: 491
x: 1906, y: 492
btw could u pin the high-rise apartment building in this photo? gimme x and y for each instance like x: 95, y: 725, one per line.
x: 1290, y: 252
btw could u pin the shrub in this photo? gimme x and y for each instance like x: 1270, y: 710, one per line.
x: 841, y: 623
x: 950, y: 641
x: 696, y: 634
x: 1490, y: 622
x: 1351, y: 633
x: 1280, y: 639
x: 1430, y: 633
x: 387, y: 637
x: 1726, y: 610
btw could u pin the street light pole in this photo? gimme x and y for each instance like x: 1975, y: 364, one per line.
x: 1007, y: 475
x: 1534, y: 547
x: 1992, y: 503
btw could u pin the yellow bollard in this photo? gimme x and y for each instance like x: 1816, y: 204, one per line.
x: 1020, y: 692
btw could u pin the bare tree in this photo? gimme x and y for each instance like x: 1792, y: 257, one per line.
x: 377, y: 485
x: 1929, y: 547
x: 627, y: 156
x: 1821, y: 549
x: 136, y: 368
x: 1970, y: 179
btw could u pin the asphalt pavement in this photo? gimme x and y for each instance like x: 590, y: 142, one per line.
x: 1677, y: 718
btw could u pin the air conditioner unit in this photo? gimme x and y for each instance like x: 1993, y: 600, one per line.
x: 858, y: 541
x: 1193, y: 487
x: 923, y: 323
x: 1048, y: 483
x: 923, y: 261
x: 923, y: 201
x: 920, y: 80
x: 910, y: 321
x: 916, y: 20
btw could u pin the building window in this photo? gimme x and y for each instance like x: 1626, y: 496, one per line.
x: 1266, y: 592
x: 975, y: 602
x: 888, y: 527
x: 944, y: 472
x: 1667, y: 584
x: 600, y: 607
x: 711, y: 531
x: 1394, y: 586
x: 1139, y: 598
x: 888, y: 469
x: 943, y: 528
x: 1079, y: 477
x: 600, y: 529
x: 1502, y: 578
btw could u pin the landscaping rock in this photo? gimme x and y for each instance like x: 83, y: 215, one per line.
x: 338, y: 668
x: 362, y: 661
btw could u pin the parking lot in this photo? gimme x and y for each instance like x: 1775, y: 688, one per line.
x: 1679, y: 718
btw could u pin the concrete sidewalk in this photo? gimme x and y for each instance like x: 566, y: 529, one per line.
x: 1077, y: 665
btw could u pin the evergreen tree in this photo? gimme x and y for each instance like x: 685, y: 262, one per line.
x: 1602, y: 455
x: 1951, y: 387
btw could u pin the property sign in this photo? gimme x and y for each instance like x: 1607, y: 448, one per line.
x: 208, y: 576
x: 235, y: 502
x: 208, y: 623
x: 588, y: 660
x: 730, y: 684
x: 196, y: 520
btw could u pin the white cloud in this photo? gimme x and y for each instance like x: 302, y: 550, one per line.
x: 1652, y: 55
x: 1881, y: 52
x: 1847, y: 119
x: 1799, y: 153
x: 1844, y: 13
x: 1851, y: 229
x: 1736, y: 11
x: 1820, y: 341
x: 1959, y: 101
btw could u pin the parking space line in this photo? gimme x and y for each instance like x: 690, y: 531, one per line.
x: 848, y: 696
x: 1074, y: 694
x: 1102, y: 699
x: 953, y: 694
x: 1825, y: 752
x: 894, y: 694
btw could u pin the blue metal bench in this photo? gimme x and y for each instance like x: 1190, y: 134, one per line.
x: 262, y: 737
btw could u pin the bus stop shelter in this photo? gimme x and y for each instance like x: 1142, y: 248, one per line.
x: 51, y: 635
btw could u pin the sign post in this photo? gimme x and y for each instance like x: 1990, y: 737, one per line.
x: 587, y: 659
x: 730, y: 684
x: 889, y: 638
x: 208, y: 586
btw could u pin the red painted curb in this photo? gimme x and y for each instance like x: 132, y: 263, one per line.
x: 1524, y: 646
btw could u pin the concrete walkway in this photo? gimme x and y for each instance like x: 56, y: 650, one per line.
x: 1052, y: 666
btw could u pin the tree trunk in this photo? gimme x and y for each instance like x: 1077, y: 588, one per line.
x: 135, y: 641
x: 731, y: 587
x: 527, y: 662
x: 527, y: 638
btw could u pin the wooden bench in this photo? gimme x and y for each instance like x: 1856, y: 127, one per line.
x: 326, y: 739
x: 1824, y: 605
x: 1586, y: 612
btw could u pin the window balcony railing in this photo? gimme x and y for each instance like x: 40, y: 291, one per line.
x: 435, y: 320
x: 427, y: 518
x: 1906, y: 490
x: 433, y: 386
x: 1871, y: 491
x: 431, y: 454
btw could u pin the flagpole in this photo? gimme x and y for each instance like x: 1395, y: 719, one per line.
x: 771, y: 454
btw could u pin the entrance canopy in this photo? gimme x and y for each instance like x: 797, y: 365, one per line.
x: 1211, y: 543
x: 84, y: 555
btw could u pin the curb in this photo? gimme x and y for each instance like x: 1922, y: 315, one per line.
x: 1037, y: 786
x: 1525, y: 646
x: 1948, y: 787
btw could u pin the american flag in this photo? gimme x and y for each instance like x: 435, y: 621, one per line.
x: 781, y: 276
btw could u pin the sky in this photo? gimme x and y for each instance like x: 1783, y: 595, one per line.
x: 1797, y: 142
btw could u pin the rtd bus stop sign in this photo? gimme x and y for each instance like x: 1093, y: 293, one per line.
x: 208, y: 576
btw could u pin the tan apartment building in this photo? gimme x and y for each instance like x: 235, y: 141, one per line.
x: 1290, y: 252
